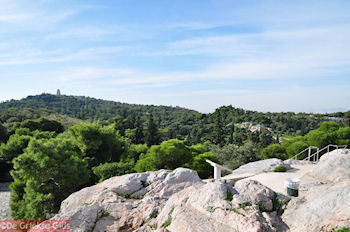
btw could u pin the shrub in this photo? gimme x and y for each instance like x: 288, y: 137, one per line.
x: 343, y: 136
x: 170, y: 155
x: 280, y: 168
x: 98, y: 144
x: 344, y: 229
x: 108, y: 170
x: 262, y: 208
x: 210, y: 209
x: 202, y: 167
x: 229, y: 196
x: 273, y: 151
x: 295, y: 148
x: 244, y: 205
x: 321, y: 138
x: 105, y: 214
x: 166, y: 223
x: 45, y: 174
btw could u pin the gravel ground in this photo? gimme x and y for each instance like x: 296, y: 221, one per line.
x: 5, y: 192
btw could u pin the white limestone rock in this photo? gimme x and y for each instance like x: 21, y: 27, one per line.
x: 322, y: 208
x: 333, y: 166
x: 258, y: 167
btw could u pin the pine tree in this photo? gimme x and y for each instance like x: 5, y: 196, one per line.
x: 219, y: 137
x: 232, y: 130
x: 139, y: 136
x: 152, y: 132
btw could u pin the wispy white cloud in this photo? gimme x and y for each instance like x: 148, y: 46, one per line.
x: 18, y: 15
x: 89, y: 32
x: 71, y: 74
x: 40, y: 56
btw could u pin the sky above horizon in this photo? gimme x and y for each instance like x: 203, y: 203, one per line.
x: 199, y: 54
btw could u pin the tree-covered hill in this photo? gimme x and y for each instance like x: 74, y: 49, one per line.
x: 226, y: 125
x: 87, y: 108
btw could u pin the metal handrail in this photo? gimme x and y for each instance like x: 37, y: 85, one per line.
x: 318, y: 152
x: 296, y: 156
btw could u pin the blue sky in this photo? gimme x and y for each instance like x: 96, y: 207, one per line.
x: 199, y: 54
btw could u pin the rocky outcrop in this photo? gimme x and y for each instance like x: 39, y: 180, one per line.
x: 324, y: 206
x: 180, y: 201
x: 333, y: 166
x: 173, y: 201
x: 216, y: 206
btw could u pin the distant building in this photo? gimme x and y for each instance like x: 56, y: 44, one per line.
x: 58, y: 92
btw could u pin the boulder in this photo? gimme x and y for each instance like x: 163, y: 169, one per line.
x: 212, y: 207
x: 333, y: 166
x: 124, y: 202
x: 323, y: 208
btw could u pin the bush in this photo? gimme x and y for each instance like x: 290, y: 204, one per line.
x: 202, y: 167
x: 45, y: 174
x: 273, y: 151
x: 343, y: 136
x: 170, y: 155
x: 344, y: 229
x: 233, y: 156
x: 280, y: 168
x: 41, y: 124
x: 295, y: 148
x: 99, y: 144
x: 108, y: 170
x: 320, y: 138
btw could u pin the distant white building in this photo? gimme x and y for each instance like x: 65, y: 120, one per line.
x: 58, y: 92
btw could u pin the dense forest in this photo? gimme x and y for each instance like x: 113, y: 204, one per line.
x: 50, y: 143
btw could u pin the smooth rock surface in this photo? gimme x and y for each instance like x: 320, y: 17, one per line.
x: 333, y: 166
x: 323, y: 208
x: 257, y: 167
x: 324, y: 204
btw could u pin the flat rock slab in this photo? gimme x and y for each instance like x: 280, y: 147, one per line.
x: 275, y: 180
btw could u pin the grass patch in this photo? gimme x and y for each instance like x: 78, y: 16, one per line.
x: 344, y: 229
x: 236, y: 211
x: 144, y: 183
x: 186, y: 199
x: 245, y: 204
x: 280, y: 168
x: 172, y: 210
x: 277, y: 205
x: 88, y: 203
x: 166, y: 223
x: 127, y: 196
x: 229, y: 196
x: 105, y: 214
x: 262, y: 208
x: 210, y: 209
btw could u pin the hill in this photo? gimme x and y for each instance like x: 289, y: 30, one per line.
x: 237, y: 124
